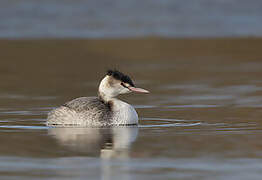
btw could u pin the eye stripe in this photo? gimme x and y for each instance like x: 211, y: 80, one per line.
x: 124, y: 85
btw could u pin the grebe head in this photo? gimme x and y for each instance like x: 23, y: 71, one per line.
x: 115, y: 83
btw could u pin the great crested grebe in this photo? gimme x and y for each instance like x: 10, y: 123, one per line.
x: 103, y: 110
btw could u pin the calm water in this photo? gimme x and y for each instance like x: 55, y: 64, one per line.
x: 202, y: 119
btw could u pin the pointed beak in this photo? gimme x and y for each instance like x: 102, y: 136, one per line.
x: 138, y: 90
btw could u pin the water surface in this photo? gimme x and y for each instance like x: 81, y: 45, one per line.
x: 202, y: 119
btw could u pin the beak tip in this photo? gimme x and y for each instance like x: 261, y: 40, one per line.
x: 139, y: 90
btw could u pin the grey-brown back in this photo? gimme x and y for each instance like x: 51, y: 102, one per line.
x: 91, y: 105
x: 87, y: 104
x: 84, y: 109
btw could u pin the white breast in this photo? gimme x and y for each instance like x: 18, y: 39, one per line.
x: 124, y: 113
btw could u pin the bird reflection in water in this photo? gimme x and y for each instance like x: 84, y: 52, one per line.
x: 111, y: 142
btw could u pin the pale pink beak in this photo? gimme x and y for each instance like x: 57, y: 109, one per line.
x: 139, y: 90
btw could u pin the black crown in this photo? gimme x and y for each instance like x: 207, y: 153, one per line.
x: 120, y: 76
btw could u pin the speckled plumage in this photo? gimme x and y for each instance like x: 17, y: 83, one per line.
x: 92, y: 111
x: 82, y: 111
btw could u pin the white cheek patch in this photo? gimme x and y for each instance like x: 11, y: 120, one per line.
x: 124, y: 90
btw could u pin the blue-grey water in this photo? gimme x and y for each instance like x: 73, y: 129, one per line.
x: 129, y: 18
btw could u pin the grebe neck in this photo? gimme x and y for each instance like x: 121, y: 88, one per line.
x: 106, y: 99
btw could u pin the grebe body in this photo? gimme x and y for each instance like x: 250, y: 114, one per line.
x: 103, y: 110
